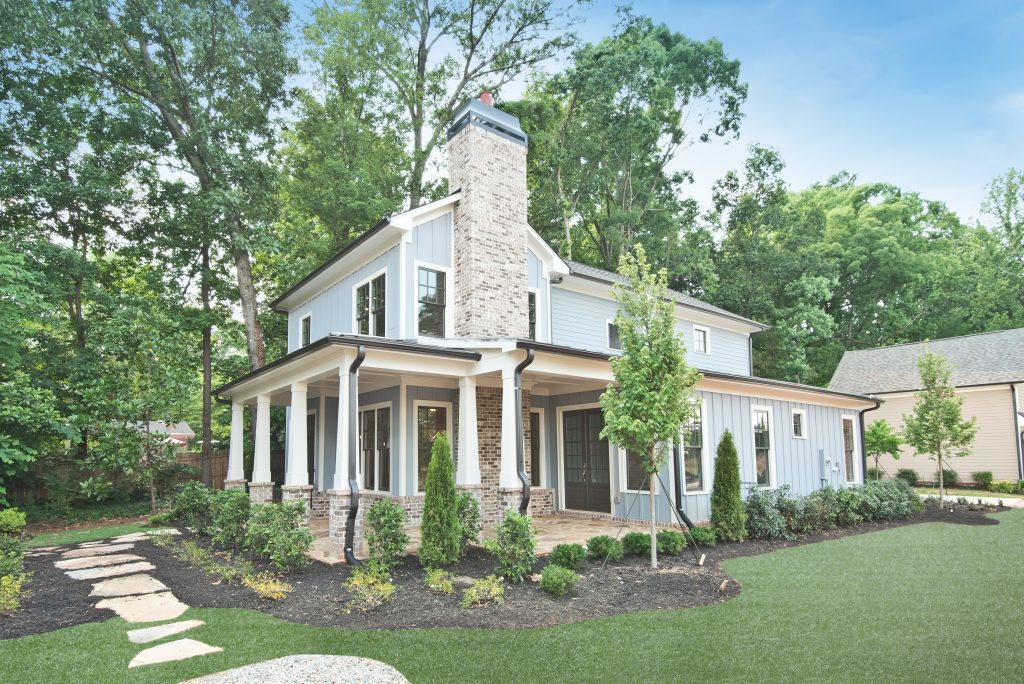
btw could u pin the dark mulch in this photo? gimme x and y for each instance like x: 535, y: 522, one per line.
x: 319, y: 599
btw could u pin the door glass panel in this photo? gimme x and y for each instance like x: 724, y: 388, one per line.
x: 574, y: 448
x: 597, y: 448
x: 384, y: 449
x: 430, y: 422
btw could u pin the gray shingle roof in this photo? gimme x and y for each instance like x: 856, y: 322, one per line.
x: 986, y: 358
x: 594, y: 273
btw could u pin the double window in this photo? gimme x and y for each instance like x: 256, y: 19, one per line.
x: 375, y: 446
x: 432, y: 297
x: 764, y: 456
x: 371, y: 313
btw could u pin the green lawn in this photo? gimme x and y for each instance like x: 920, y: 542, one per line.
x: 77, y: 536
x: 933, y: 603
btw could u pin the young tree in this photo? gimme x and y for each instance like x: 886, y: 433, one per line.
x: 439, y: 545
x: 728, y: 515
x: 650, y: 398
x: 936, y: 428
x: 879, y: 440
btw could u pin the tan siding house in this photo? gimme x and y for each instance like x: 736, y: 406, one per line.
x: 988, y: 370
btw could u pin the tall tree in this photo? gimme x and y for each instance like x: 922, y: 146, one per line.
x: 423, y: 58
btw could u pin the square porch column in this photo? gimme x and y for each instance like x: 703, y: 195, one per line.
x: 468, y: 469
x: 236, y: 465
x: 340, y: 495
x: 261, y: 489
x: 296, y: 481
x: 508, y: 477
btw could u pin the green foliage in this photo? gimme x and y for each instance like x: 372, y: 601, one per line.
x: 12, y: 555
x: 881, y: 440
x: 229, y: 517
x: 12, y: 521
x: 949, y: 476
x: 571, y: 556
x: 670, y: 542
x: 439, y: 581
x: 387, y: 538
x: 267, y: 586
x: 193, y: 505
x: 908, y: 475
x: 483, y: 591
x: 558, y: 580
x: 765, y: 520
x: 703, y: 536
x: 440, y: 530
x: 468, y: 512
x: 728, y: 514
x: 602, y: 547
x: 275, y: 532
x: 370, y: 587
x: 10, y: 591
x: 1005, y: 487
x: 982, y: 479
x: 514, y: 544
x: 636, y: 543
x: 161, y: 519
x: 875, y: 474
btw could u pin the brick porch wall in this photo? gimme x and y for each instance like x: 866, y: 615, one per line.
x: 488, y: 422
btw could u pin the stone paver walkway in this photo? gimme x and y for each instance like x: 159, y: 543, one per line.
x: 309, y: 669
x: 122, y: 586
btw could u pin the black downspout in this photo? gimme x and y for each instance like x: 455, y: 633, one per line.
x: 353, y: 454
x: 524, y: 503
x: 863, y: 448
x: 1016, y: 431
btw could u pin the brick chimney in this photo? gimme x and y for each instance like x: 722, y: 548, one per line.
x: 487, y: 162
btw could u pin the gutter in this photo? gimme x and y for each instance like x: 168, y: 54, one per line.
x: 863, y: 447
x: 353, y: 454
x: 524, y: 502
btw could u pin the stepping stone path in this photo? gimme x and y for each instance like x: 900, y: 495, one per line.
x: 309, y: 669
x: 123, y: 587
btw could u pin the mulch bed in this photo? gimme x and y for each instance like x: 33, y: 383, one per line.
x: 319, y: 599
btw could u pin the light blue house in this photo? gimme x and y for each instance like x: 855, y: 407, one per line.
x: 457, y: 317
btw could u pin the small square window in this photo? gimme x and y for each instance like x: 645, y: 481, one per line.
x: 799, y: 424
x: 614, y: 342
x: 306, y: 331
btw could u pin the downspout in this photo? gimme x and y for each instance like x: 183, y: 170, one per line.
x: 524, y: 503
x: 863, y: 448
x: 353, y: 454
x: 1016, y: 431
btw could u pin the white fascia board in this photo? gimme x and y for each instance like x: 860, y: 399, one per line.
x: 553, y: 264
x: 411, y: 218
x: 386, y: 239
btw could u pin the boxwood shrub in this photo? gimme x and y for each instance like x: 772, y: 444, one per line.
x: 557, y: 580
x: 604, y: 547
x: 571, y: 556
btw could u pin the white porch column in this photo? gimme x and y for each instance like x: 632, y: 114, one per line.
x: 468, y: 470
x: 236, y: 465
x: 261, y: 463
x: 341, y: 449
x: 509, y: 478
x: 296, y: 470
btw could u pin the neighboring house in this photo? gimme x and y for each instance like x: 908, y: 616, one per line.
x: 179, y: 434
x: 453, y: 315
x: 988, y: 372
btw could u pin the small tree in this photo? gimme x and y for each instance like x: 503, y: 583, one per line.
x: 880, y: 439
x: 653, y: 383
x: 440, y: 530
x: 728, y: 515
x: 936, y: 428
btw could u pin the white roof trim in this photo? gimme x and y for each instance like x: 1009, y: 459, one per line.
x: 411, y: 217
x: 549, y: 257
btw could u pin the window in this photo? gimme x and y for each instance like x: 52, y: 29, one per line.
x: 431, y: 421
x: 799, y: 424
x: 532, y: 308
x: 370, y: 307
x: 849, y: 447
x: 701, y: 339
x: 375, y: 447
x: 535, y: 448
x: 637, y: 479
x: 304, y: 335
x: 763, y: 456
x: 431, y: 295
x: 693, y: 453
x: 613, y: 336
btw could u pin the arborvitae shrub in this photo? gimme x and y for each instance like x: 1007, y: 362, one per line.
x: 440, y: 528
x: 468, y: 512
x: 728, y: 515
x: 387, y: 538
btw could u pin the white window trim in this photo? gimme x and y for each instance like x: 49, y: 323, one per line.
x: 707, y: 339
x: 307, y: 317
x: 856, y: 450
x: 704, y: 455
x: 543, y: 446
x: 536, y: 298
x: 772, y: 477
x: 613, y: 452
x: 803, y: 423
x: 376, y: 455
x: 416, y: 404
x: 624, y: 474
x: 355, y: 299
x: 449, y: 309
x: 608, y: 336
x: 316, y: 442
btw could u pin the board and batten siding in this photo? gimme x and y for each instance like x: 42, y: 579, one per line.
x: 994, y: 449
x: 580, y: 321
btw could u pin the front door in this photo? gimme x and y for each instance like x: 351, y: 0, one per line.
x: 586, y: 463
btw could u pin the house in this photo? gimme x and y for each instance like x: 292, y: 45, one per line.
x: 457, y: 317
x: 987, y: 371
x: 178, y: 434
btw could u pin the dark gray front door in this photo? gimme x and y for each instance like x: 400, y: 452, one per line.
x: 586, y: 462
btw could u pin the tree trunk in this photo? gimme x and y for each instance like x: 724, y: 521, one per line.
x: 654, y: 529
x: 942, y: 485
x: 416, y: 181
x: 247, y: 297
x: 152, y: 495
x: 207, y: 429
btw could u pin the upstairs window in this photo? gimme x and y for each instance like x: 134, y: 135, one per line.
x: 614, y: 342
x: 799, y: 424
x: 371, y: 305
x: 701, y: 339
x: 431, y: 295
x: 532, y: 309
x: 306, y: 327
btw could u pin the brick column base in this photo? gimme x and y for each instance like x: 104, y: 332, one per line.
x: 338, y: 521
x: 234, y: 484
x: 298, y: 493
x: 261, y: 492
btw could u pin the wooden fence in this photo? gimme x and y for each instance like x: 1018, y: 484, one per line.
x: 218, y: 465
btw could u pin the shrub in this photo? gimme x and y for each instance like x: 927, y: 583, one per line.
x: 387, y: 539
x: 468, y: 514
x: 875, y: 474
x: 275, y: 532
x: 12, y: 556
x: 515, y: 545
x: 604, y: 547
x: 439, y: 581
x: 267, y: 586
x: 487, y: 590
x: 440, y: 528
x: 193, y: 504
x: 982, y: 479
x: 557, y: 580
x: 570, y: 556
x: 369, y: 587
x: 728, y: 515
x: 764, y: 520
x: 949, y: 477
x: 229, y: 516
x: 12, y: 522
x: 636, y: 543
x: 161, y: 519
x: 887, y: 501
x: 819, y: 511
x: 10, y: 592
x: 670, y: 542
x: 1020, y: 486
x: 908, y: 475
x: 1003, y: 487
x: 703, y: 536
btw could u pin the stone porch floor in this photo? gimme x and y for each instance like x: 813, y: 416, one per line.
x: 552, y: 530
